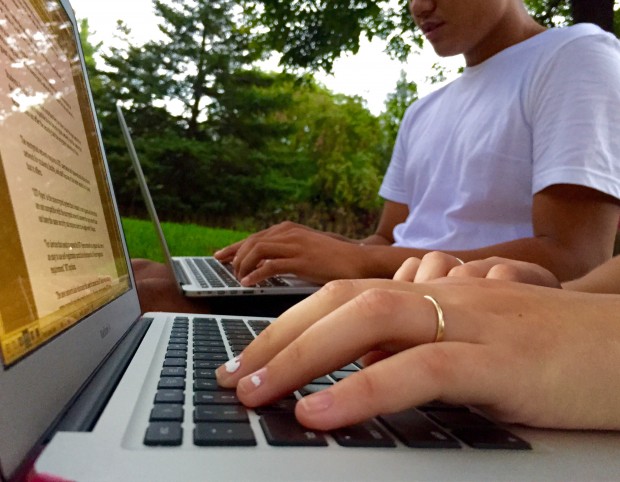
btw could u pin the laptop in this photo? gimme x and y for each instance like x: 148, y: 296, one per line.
x: 199, y: 276
x: 93, y: 390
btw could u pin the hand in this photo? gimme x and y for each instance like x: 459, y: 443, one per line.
x: 438, y: 265
x: 522, y: 353
x: 291, y: 248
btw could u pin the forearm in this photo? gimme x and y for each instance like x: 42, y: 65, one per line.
x: 564, y: 262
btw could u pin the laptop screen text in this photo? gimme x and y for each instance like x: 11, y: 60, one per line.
x: 63, y: 255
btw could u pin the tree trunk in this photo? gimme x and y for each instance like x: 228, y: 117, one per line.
x: 599, y: 12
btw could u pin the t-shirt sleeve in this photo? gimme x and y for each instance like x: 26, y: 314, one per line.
x: 393, y: 188
x: 575, y: 101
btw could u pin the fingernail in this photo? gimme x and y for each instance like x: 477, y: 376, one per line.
x: 233, y: 364
x: 317, y: 402
x: 253, y: 381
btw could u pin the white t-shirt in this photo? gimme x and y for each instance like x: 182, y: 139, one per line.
x: 469, y: 157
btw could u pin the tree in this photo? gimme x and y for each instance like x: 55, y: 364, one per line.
x: 600, y: 12
x: 312, y: 34
x: 405, y: 94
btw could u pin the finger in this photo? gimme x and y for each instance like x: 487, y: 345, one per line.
x: 438, y: 371
x: 228, y: 253
x: 289, y: 326
x: 408, y: 270
x: 530, y: 274
x: 435, y: 265
x: 262, y: 251
x: 271, y: 267
x: 377, y: 319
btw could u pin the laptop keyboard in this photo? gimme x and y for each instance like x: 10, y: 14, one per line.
x: 199, y: 345
x: 210, y: 273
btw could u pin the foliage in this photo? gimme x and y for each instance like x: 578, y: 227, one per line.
x: 312, y: 34
x: 406, y: 93
x: 218, y: 138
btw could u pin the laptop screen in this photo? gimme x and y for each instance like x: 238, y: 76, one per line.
x: 62, y: 255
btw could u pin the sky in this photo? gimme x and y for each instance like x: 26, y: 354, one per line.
x: 370, y: 74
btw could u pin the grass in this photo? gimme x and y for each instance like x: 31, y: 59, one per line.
x: 183, y: 239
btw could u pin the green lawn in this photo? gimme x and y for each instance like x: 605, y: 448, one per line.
x: 183, y: 239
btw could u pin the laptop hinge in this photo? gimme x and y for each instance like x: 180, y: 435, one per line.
x: 85, y: 410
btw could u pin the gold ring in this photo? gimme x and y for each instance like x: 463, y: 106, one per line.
x: 460, y: 260
x: 441, y: 324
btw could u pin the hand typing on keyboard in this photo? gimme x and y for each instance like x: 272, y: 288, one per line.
x: 523, y: 354
x: 290, y: 248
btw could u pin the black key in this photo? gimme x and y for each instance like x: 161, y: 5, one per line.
x: 491, y: 438
x: 209, y: 434
x: 436, y: 406
x: 219, y: 397
x: 176, y: 354
x: 239, y: 338
x: 204, y: 373
x: 415, y: 430
x: 164, y: 433
x: 177, y: 339
x: 171, y: 382
x: 284, y: 430
x: 459, y: 419
x: 215, y: 344
x: 210, y: 349
x: 220, y: 413
x: 221, y: 357
x: 169, y: 396
x: 365, y: 434
x: 286, y: 405
x: 167, y: 412
x: 207, y: 364
x: 175, y: 362
x: 208, y: 339
x: 199, y: 320
x: 173, y: 372
x: 209, y: 384
x: 177, y: 346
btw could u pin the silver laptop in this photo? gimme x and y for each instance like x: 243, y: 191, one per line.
x: 91, y: 390
x: 205, y: 275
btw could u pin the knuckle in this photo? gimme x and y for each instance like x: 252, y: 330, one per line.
x: 435, y: 256
x: 376, y: 302
x: 339, y: 288
x: 504, y: 271
x: 410, y: 262
x: 287, y: 225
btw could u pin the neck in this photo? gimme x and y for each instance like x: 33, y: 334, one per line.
x: 506, y: 33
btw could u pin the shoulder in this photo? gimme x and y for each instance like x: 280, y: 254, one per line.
x: 579, y: 39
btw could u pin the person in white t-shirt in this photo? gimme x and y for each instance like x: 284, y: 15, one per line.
x: 516, y: 158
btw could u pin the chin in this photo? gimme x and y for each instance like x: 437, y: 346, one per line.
x: 446, y: 52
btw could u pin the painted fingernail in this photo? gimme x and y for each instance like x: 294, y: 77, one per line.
x: 252, y: 381
x: 233, y: 364
x: 317, y: 402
